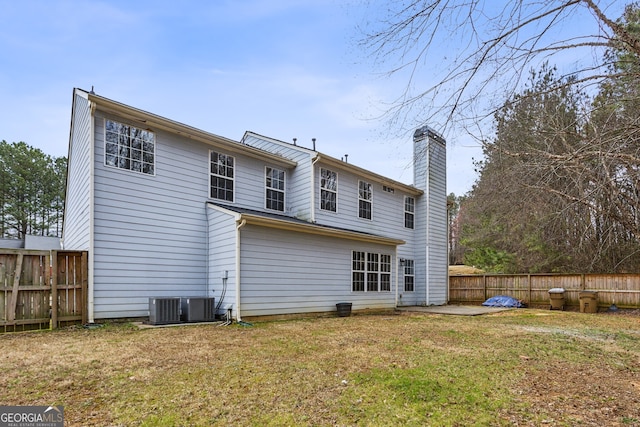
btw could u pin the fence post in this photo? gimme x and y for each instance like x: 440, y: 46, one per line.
x: 484, y: 286
x: 13, y: 305
x: 54, y: 289
x: 529, y: 280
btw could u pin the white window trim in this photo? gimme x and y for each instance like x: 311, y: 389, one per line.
x: 284, y: 191
x: 378, y: 272
x: 104, y: 148
x: 405, y: 275
x: 413, y: 213
x: 328, y: 190
x: 370, y: 200
x: 225, y: 177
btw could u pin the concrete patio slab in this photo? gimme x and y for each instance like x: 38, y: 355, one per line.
x: 457, y: 310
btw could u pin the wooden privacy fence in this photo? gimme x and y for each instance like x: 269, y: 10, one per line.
x: 623, y: 290
x: 42, y: 289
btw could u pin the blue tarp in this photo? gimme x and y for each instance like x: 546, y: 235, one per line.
x: 503, y: 301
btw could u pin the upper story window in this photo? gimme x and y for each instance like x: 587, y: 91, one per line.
x: 222, y: 171
x: 328, y: 190
x: 409, y: 211
x: 274, y: 189
x: 127, y: 147
x: 364, y: 199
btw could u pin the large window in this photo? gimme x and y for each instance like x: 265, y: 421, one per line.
x: 274, y: 189
x: 222, y: 176
x: 364, y: 200
x: 371, y: 272
x: 409, y: 211
x: 409, y: 275
x: 328, y: 190
x: 127, y: 147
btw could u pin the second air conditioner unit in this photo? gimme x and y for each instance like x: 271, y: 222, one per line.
x: 198, y: 309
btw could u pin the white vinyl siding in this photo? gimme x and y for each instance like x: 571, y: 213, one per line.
x: 431, y: 222
x: 318, y: 270
x: 222, y: 258
x: 298, y: 179
x: 77, y: 223
x: 150, y: 237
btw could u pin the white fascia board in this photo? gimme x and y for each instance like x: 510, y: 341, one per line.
x: 113, y: 107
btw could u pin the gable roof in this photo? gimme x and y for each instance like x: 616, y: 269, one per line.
x: 284, y: 222
x: 113, y: 107
x: 342, y: 165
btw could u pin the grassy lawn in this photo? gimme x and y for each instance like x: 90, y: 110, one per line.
x: 522, y: 367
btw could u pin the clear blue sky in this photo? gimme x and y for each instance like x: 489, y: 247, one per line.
x: 282, y: 68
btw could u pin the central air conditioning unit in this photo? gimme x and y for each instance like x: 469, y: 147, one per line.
x: 198, y: 309
x: 163, y: 311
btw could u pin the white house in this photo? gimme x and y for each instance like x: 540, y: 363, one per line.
x: 264, y: 226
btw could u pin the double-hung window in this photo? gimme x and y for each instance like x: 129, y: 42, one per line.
x: 274, y: 189
x: 409, y: 275
x: 371, y: 272
x: 128, y: 147
x: 328, y: 190
x: 409, y: 211
x: 364, y: 199
x: 222, y: 176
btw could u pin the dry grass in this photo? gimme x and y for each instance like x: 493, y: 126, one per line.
x: 525, y: 367
x: 461, y: 270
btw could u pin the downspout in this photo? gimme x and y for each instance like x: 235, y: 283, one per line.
x: 239, y: 225
x: 91, y: 257
x: 397, y: 275
x: 206, y: 267
x: 313, y: 187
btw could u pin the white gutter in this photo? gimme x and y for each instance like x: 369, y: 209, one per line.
x: 90, y: 282
x: 239, y: 225
x: 313, y: 187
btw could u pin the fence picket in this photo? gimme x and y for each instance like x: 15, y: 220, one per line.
x: 30, y: 284
x: 620, y: 289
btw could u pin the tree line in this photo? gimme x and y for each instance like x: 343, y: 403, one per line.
x: 558, y: 188
x: 32, y: 190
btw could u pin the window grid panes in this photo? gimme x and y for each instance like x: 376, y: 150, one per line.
x: 358, y: 267
x: 409, y: 275
x: 385, y: 272
x: 409, y: 211
x: 130, y: 148
x: 328, y: 190
x: 222, y: 176
x: 371, y: 272
x: 364, y: 199
x: 275, y: 189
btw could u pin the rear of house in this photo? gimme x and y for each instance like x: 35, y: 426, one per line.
x: 264, y: 227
